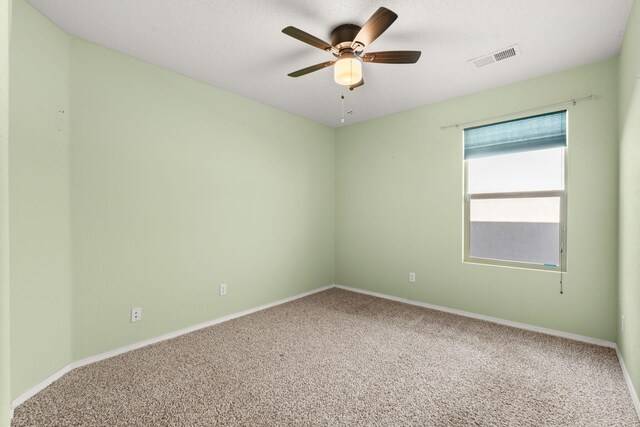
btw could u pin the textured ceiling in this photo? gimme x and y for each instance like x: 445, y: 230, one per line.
x: 238, y: 45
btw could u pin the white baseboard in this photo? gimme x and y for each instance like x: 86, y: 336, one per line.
x: 497, y: 320
x: 627, y: 378
x: 73, y: 365
x: 40, y: 386
x: 96, y: 358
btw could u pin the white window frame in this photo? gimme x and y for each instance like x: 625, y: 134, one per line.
x: 562, y: 194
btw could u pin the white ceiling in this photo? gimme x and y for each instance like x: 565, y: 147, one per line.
x: 238, y: 45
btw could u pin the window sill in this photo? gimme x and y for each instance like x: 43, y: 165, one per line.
x: 513, y: 264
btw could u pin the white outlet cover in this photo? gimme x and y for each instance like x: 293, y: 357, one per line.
x: 412, y: 277
x: 223, y: 289
x: 136, y: 314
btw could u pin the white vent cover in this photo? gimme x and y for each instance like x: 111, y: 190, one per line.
x: 499, y: 55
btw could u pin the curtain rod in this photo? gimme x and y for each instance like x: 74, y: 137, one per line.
x: 569, y: 101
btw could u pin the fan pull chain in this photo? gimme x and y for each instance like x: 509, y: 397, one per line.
x: 342, y: 102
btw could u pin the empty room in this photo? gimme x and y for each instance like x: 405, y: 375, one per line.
x: 298, y: 213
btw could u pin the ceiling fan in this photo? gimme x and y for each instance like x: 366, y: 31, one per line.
x: 348, y: 42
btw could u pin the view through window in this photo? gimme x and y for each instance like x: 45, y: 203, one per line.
x: 515, y: 204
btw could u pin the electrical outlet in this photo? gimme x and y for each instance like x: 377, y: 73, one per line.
x: 223, y: 289
x: 136, y: 314
x: 622, y: 323
x: 412, y: 277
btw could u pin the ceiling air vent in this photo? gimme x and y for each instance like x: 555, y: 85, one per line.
x: 500, y: 55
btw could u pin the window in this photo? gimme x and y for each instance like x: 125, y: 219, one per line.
x: 515, y: 195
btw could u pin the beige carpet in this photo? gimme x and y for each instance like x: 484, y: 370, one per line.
x: 341, y: 358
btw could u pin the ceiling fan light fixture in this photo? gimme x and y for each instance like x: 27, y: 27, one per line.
x: 348, y: 70
x: 348, y: 42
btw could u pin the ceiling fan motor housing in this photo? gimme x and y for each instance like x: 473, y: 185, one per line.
x: 343, y: 35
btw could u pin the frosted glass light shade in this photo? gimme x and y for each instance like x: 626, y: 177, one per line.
x: 347, y: 71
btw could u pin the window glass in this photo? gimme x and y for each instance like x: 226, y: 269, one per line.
x: 516, y: 229
x: 527, y: 242
x: 537, y: 170
x: 530, y: 209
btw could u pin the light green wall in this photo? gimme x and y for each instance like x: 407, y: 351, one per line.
x: 399, y: 208
x: 39, y: 194
x: 629, y: 61
x: 172, y: 187
x: 5, y: 371
x: 177, y: 187
x: 629, y: 287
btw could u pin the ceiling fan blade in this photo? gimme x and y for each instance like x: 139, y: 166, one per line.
x: 360, y: 83
x: 371, y: 30
x: 311, y: 69
x: 393, y: 57
x: 306, y: 38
